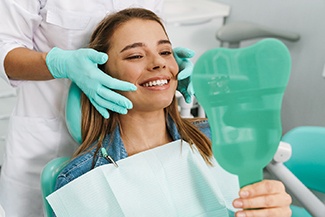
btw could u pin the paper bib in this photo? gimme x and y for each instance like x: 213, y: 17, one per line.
x: 170, y: 180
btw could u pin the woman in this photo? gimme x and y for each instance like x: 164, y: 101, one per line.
x: 40, y: 54
x: 140, y: 52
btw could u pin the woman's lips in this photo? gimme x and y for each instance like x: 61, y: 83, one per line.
x: 153, y: 83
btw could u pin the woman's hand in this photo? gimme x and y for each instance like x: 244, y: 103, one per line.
x: 265, y: 198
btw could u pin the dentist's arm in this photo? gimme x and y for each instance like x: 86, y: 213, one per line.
x: 26, y: 64
x: 266, y: 198
x: 80, y: 66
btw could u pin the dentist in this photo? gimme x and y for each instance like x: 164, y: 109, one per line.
x: 40, y: 54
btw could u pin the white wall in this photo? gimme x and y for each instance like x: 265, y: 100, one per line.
x: 304, y: 100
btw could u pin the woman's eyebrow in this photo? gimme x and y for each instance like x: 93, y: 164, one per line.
x: 140, y: 44
x: 164, y: 42
x: 137, y: 44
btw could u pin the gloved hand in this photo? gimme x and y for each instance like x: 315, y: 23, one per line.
x: 182, y: 56
x: 80, y: 66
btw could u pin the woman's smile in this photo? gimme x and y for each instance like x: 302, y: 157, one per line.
x: 156, y: 83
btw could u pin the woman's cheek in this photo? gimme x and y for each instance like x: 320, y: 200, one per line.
x: 174, y: 67
x: 126, y: 73
x: 131, y: 73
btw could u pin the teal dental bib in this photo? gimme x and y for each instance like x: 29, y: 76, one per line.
x: 241, y: 91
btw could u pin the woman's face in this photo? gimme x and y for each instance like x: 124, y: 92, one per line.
x: 141, y: 53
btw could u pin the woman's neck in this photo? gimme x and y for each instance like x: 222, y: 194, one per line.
x: 143, y: 131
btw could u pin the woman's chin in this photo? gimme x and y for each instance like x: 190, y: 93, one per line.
x: 152, y: 106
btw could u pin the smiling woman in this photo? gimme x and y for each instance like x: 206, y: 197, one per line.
x: 139, y: 52
x: 145, y: 59
x: 158, y: 153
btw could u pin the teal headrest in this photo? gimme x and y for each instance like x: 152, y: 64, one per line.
x: 73, y: 112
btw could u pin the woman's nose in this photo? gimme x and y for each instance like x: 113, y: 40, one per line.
x: 158, y: 62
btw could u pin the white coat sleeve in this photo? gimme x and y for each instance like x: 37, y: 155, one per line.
x: 19, y: 19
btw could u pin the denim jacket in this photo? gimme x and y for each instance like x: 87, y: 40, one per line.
x: 116, y: 150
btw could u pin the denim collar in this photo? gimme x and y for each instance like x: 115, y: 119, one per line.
x: 115, y: 147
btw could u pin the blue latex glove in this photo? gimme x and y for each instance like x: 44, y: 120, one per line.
x: 80, y: 66
x: 182, y: 56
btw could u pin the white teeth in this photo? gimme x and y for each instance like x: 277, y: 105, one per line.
x: 155, y: 83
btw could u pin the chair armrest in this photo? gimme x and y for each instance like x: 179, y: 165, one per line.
x: 48, y: 180
x: 309, y: 201
x: 283, y: 153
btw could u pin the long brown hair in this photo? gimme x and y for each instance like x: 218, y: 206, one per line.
x: 95, y: 127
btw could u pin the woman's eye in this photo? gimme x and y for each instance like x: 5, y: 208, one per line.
x: 134, y: 57
x: 165, y: 53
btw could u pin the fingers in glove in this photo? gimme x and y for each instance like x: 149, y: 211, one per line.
x: 100, y: 109
x: 95, y: 56
x: 107, y: 95
x: 186, y: 69
x: 116, y: 84
x: 102, y: 105
x: 187, y: 97
x: 184, y: 88
x: 182, y: 57
x: 190, y: 89
x: 182, y: 52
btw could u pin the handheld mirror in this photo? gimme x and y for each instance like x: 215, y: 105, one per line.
x: 241, y: 91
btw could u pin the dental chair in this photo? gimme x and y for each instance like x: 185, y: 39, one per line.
x: 53, y: 168
x: 232, y: 34
x: 48, y: 180
x: 299, y: 163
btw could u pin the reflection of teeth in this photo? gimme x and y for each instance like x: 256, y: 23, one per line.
x: 155, y: 83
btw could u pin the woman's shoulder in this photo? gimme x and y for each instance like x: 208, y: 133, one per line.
x: 77, y: 167
x: 202, y: 124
